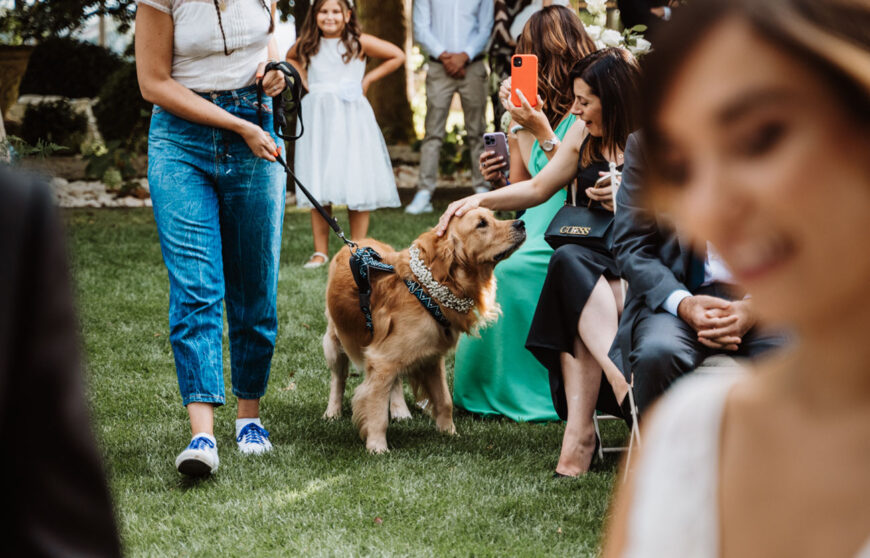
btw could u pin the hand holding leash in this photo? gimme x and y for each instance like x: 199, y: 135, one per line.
x: 261, y: 143
x: 272, y: 81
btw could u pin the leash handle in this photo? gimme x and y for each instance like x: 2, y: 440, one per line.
x: 293, y: 82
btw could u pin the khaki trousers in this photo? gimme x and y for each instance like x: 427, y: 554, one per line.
x: 440, y: 88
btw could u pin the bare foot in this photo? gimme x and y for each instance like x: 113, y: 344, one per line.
x: 578, y: 450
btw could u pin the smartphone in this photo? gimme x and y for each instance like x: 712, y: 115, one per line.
x: 614, y: 176
x: 496, y: 142
x: 524, y: 76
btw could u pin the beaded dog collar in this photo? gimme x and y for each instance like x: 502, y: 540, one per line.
x: 438, y: 291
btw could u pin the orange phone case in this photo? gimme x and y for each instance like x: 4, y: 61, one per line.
x: 524, y: 76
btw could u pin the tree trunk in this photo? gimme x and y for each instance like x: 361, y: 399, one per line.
x: 385, y: 19
x: 300, y: 9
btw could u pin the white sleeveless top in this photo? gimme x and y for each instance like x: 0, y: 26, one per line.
x: 198, y: 59
x: 674, y: 510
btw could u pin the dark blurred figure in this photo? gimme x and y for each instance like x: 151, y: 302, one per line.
x: 644, y: 12
x: 53, y: 483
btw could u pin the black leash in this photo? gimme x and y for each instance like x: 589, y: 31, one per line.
x: 362, y: 260
x: 294, y: 87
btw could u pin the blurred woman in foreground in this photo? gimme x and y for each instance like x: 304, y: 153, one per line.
x: 756, y: 127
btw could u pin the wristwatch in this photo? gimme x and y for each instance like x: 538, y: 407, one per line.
x: 550, y: 144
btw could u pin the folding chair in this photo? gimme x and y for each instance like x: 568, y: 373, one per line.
x: 634, y: 435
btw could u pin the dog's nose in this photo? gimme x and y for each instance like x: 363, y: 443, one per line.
x: 519, y: 224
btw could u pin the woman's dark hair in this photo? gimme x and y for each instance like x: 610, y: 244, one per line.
x: 829, y: 36
x: 557, y: 37
x: 613, y: 76
x: 217, y: 8
x: 309, y: 37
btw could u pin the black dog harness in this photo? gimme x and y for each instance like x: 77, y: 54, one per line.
x: 362, y: 260
x: 362, y: 263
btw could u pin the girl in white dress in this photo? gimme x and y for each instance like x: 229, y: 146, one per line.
x: 342, y: 157
x: 756, y: 134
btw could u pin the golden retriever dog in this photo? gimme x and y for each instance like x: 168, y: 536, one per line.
x: 407, y: 340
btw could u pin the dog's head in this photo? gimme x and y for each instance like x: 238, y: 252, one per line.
x: 465, y: 256
x: 477, y: 240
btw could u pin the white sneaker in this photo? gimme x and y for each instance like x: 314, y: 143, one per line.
x: 253, y: 439
x: 313, y: 263
x: 422, y: 203
x: 199, y: 458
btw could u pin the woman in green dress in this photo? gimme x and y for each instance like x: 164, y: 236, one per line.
x: 494, y: 373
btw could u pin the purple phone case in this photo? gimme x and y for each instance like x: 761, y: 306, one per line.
x: 496, y: 142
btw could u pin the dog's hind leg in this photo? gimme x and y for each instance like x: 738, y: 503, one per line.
x: 338, y: 362
x: 398, y: 407
x: 434, y: 380
x: 371, y: 402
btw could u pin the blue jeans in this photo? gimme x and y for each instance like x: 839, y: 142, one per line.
x: 219, y: 212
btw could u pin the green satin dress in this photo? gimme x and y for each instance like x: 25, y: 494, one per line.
x: 495, y: 374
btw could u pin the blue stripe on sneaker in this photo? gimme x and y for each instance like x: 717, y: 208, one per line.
x: 253, y: 433
x: 200, y: 442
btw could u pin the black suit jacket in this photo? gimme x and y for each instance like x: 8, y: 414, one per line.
x: 650, y: 256
x: 51, y: 475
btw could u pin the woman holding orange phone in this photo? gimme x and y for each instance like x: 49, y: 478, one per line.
x: 577, y: 314
x: 494, y: 374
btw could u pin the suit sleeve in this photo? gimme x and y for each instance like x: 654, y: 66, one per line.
x: 637, y: 238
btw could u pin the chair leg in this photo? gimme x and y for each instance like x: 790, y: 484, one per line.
x: 634, y: 435
x: 598, y: 436
x: 634, y: 416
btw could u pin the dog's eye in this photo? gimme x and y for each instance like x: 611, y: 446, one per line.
x: 482, y: 224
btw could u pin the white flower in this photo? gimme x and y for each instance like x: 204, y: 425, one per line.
x: 641, y: 46
x: 594, y: 32
x: 596, y: 6
x: 611, y: 37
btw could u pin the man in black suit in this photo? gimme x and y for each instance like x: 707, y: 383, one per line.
x: 53, y: 485
x: 681, y: 307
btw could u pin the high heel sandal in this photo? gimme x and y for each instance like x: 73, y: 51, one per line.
x: 558, y: 475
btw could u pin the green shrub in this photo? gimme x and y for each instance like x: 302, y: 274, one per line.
x: 69, y: 68
x: 54, y: 122
x: 121, y: 112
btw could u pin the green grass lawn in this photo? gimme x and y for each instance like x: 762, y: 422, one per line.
x: 486, y: 492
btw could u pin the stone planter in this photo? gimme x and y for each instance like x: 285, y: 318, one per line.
x: 13, y: 64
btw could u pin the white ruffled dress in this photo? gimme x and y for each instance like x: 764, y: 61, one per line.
x: 342, y: 157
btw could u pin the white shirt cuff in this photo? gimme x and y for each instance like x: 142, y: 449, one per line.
x: 673, y: 301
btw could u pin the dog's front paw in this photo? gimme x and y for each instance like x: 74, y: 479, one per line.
x: 332, y: 413
x: 377, y: 446
x: 446, y: 428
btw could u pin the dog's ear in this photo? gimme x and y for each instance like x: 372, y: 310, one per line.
x: 442, y: 255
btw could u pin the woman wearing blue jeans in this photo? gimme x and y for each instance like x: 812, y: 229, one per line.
x: 218, y: 201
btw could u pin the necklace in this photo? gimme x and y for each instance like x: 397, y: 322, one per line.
x: 438, y: 291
